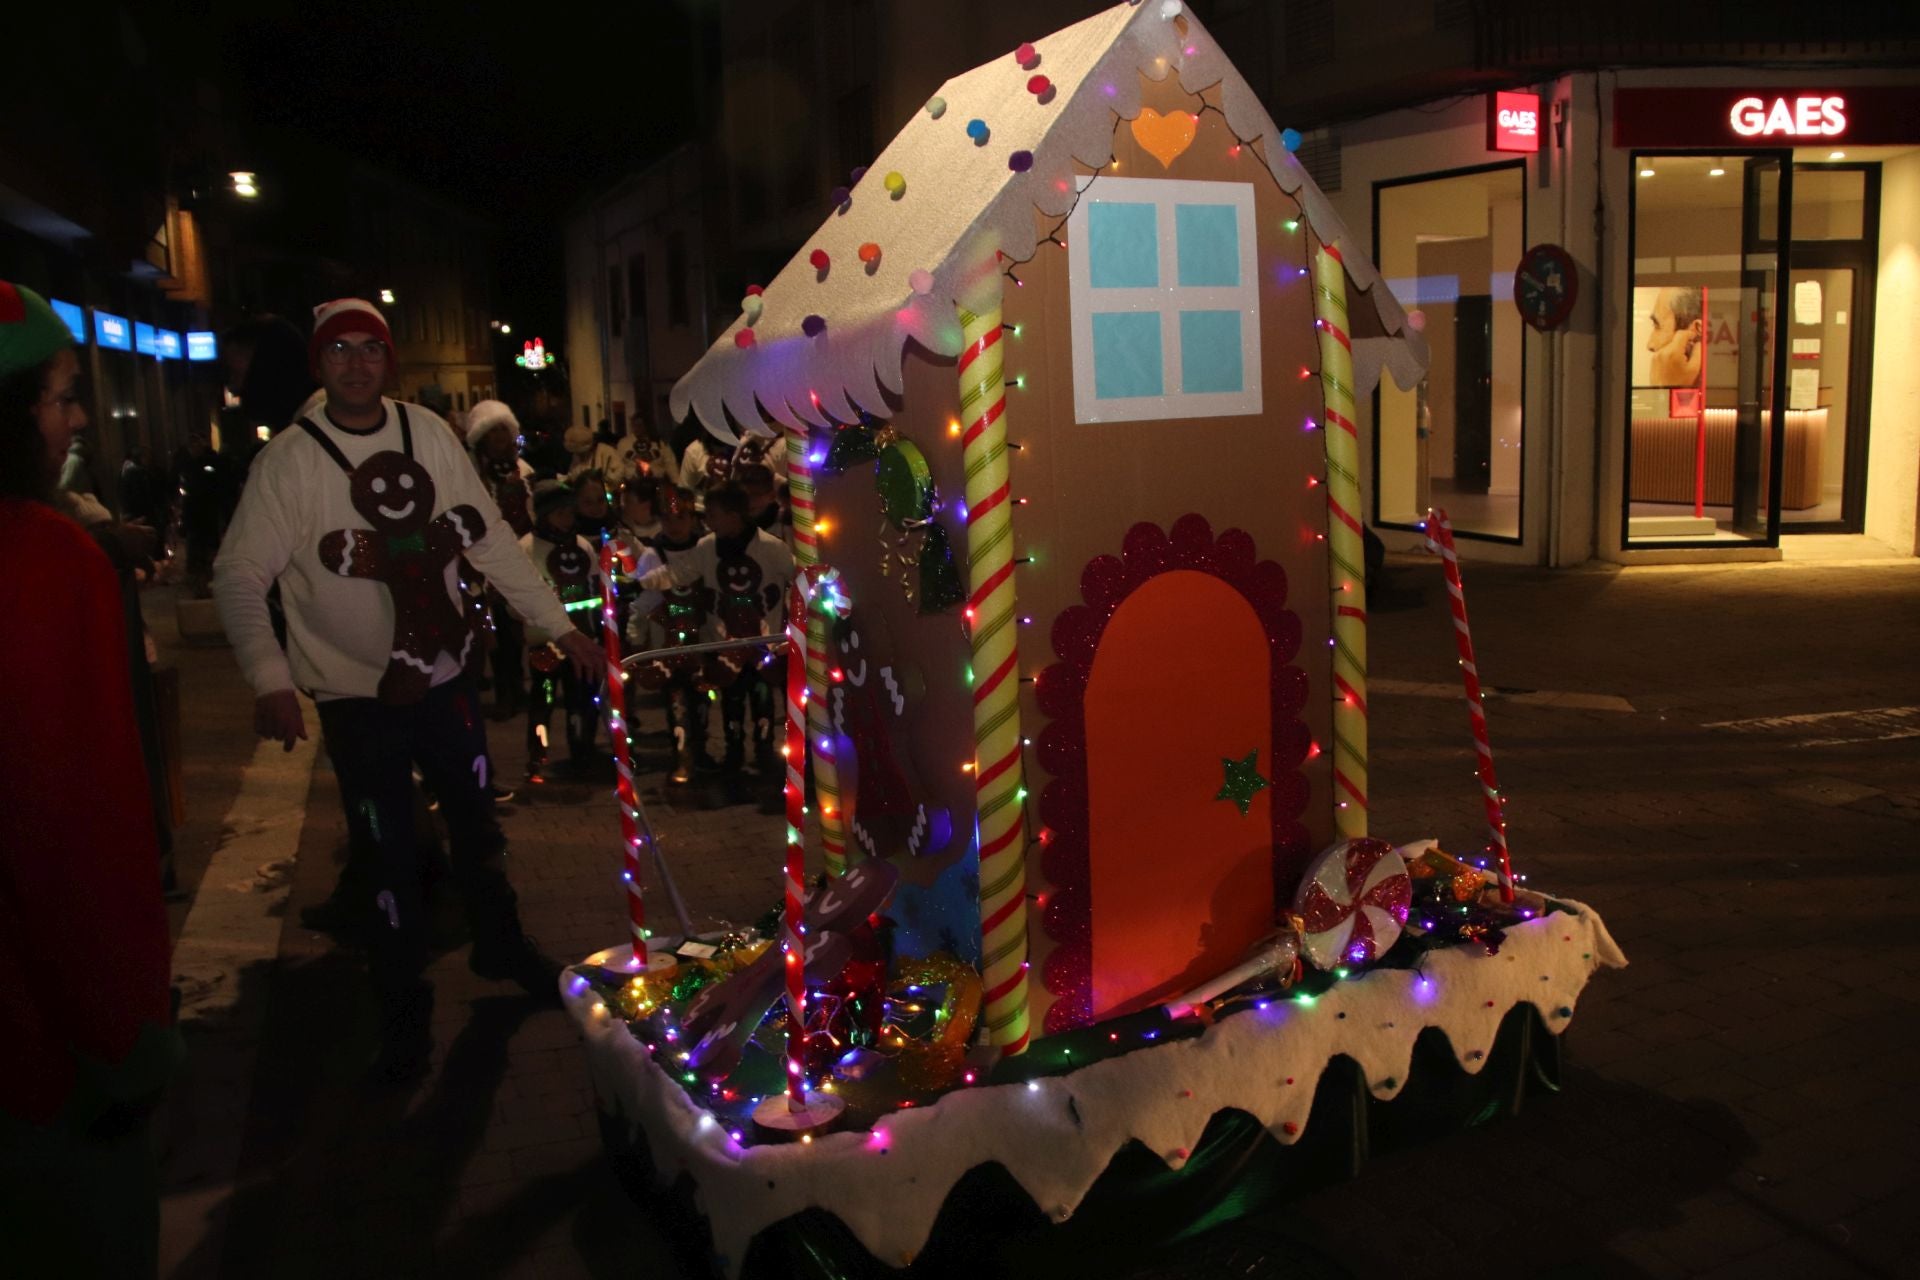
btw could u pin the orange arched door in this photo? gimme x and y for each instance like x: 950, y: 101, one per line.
x: 1181, y: 881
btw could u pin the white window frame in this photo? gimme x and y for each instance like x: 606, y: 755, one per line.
x: 1167, y: 299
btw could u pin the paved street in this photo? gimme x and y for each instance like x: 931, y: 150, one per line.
x: 1725, y: 761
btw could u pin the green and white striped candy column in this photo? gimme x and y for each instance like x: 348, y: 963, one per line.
x: 1346, y: 545
x: 806, y: 555
x: 999, y: 789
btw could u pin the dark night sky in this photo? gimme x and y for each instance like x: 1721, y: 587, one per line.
x: 518, y: 120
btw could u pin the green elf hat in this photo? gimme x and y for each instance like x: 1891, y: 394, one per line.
x: 29, y: 331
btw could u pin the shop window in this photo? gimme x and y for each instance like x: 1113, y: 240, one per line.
x: 1829, y: 203
x: 1447, y: 245
x: 1699, y: 442
x: 1166, y: 303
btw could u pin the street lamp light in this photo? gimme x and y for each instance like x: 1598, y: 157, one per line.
x: 506, y: 328
x: 386, y: 296
x: 243, y: 184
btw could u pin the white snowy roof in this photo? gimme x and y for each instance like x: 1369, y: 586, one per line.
x: 962, y: 201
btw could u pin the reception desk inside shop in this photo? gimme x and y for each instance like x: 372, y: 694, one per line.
x: 1664, y: 451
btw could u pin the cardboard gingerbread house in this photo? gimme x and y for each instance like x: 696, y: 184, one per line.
x: 1066, y: 380
x: 1069, y: 325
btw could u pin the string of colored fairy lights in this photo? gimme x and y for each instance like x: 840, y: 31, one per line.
x: 1346, y: 545
x: 806, y: 555
x: 795, y: 752
x: 998, y: 786
x: 616, y: 551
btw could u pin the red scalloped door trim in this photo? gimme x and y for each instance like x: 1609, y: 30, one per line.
x: 1105, y: 584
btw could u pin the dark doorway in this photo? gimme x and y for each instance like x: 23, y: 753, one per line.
x: 1473, y: 393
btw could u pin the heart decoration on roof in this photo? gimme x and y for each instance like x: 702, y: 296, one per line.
x: 1165, y: 138
x: 998, y: 148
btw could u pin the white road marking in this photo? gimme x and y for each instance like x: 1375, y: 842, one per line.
x: 1903, y: 721
x: 1528, y: 697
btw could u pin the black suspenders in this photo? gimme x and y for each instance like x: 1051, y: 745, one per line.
x: 325, y: 441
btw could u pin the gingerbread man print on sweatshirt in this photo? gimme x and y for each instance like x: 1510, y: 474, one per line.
x: 407, y: 551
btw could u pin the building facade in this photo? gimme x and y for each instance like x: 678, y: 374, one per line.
x: 1730, y: 375
x: 1732, y: 206
x: 430, y: 264
x: 1727, y: 377
x: 644, y: 285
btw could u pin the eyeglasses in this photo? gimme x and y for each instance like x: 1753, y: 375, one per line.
x: 339, y: 353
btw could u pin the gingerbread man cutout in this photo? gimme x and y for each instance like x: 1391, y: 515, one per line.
x: 868, y: 704
x: 407, y: 551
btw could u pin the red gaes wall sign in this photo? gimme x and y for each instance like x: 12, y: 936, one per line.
x: 1740, y: 117
x: 1513, y: 121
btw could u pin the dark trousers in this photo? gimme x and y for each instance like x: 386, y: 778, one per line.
x: 509, y: 660
x: 746, y: 709
x: 374, y: 748
x: 687, y: 721
x: 579, y: 701
x: 202, y: 537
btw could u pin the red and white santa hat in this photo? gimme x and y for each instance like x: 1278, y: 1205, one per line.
x: 345, y: 315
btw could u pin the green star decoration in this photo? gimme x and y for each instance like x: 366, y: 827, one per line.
x: 1243, y: 781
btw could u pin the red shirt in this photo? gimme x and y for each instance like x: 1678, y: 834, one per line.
x: 84, y: 956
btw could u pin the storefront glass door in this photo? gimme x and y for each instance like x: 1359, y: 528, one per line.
x: 1703, y: 454
x: 1822, y: 312
x: 1830, y: 327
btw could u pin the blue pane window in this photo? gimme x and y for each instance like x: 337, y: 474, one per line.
x: 1123, y: 246
x: 1126, y: 355
x: 1209, y: 244
x: 1164, y: 291
x: 1210, y: 351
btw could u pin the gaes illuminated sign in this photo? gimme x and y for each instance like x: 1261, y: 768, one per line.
x: 143, y: 338
x: 1778, y: 115
x: 166, y: 344
x: 202, y: 345
x: 112, y: 332
x: 1513, y: 121
x: 1806, y: 116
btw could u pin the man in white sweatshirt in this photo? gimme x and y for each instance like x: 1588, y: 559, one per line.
x: 361, y: 513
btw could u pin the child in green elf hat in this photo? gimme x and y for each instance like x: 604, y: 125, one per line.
x: 87, y: 1049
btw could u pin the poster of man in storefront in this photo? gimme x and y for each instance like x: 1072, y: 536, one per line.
x: 1670, y: 329
x: 1669, y: 345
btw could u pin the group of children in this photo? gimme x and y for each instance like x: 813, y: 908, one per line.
x: 702, y: 571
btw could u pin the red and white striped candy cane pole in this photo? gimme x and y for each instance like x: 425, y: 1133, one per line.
x: 1440, y: 538
x: 795, y: 751
x: 617, y: 551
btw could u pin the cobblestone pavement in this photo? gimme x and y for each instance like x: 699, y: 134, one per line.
x: 1737, y: 1102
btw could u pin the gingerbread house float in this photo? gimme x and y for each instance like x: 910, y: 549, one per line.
x: 1067, y: 381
